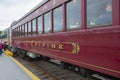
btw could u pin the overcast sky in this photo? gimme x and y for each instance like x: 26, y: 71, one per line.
x: 11, y: 10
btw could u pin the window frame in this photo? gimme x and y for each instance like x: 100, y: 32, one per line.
x: 49, y: 31
x: 60, y: 6
x: 26, y: 29
x: 38, y: 24
x: 102, y: 25
x: 34, y: 33
x: 80, y: 13
x: 29, y: 28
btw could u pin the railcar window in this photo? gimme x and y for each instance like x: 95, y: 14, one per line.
x: 16, y: 32
x: 25, y: 29
x: 47, y: 23
x: 99, y: 13
x: 29, y: 28
x: 73, y: 14
x: 13, y: 33
x: 22, y: 30
x: 58, y: 19
x: 19, y: 31
x: 39, y: 25
x: 34, y: 26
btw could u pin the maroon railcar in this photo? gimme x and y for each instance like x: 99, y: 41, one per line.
x: 85, y: 33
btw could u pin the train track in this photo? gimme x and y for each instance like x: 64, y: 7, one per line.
x: 49, y: 71
x: 46, y: 70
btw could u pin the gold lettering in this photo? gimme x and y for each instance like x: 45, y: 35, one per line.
x: 43, y: 44
x: 27, y: 43
x: 36, y: 44
x: 48, y: 45
x: 53, y: 45
x: 60, y: 46
x: 24, y: 44
x: 39, y: 44
x: 32, y: 43
x: 76, y: 48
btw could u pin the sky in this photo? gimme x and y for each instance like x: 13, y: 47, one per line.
x: 12, y: 10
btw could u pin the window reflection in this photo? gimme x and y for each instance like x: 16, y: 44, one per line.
x: 73, y: 14
x: 99, y: 13
x: 58, y: 19
x: 29, y: 28
x: 47, y: 23
x: 13, y: 31
x: 22, y: 30
x: 34, y: 26
x: 16, y: 32
x: 40, y: 24
x: 19, y: 31
x: 26, y: 29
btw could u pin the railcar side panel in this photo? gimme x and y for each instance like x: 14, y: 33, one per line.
x: 97, y: 49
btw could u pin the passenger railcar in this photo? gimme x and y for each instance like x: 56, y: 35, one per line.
x: 5, y: 37
x: 84, y: 33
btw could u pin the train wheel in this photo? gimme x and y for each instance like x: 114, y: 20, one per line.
x: 83, y: 71
x: 64, y: 65
x: 46, y: 58
x: 72, y: 67
x: 15, y: 54
x: 22, y: 54
x: 29, y: 58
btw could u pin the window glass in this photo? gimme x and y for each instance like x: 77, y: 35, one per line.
x: 40, y: 24
x: 15, y: 32
x: 73, y: 14
x: 99, y: 13
x: 58, y: 19
x: 29, y: 28
x: 25, y: 29
x: 34, y: 26
x: 47, y: 23
x: 18, y: 31
x: 22, y: 30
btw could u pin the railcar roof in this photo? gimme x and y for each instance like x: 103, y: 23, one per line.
x: 35, y: 8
